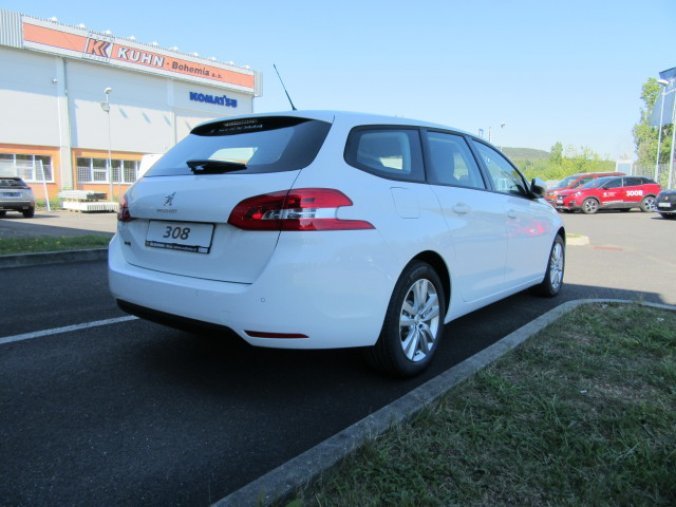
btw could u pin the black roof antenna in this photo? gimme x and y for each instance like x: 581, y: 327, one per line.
x: 287, y: 93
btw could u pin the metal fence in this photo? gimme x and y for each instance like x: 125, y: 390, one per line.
x: 664, y: 173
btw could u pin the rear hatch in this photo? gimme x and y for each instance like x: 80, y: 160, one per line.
x: 14, y: 190
x: 178, y: 212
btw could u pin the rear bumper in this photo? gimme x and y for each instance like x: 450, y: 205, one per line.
x: 16, y: 206
x: 337, y: 300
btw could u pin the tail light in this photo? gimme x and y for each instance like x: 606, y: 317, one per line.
x: 302, y: 209
x: 123, y: 214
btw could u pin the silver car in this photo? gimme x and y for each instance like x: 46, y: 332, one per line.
x: 15, y: 195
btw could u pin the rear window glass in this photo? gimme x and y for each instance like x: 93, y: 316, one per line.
x: 270, y: 144
x: 12, y: 183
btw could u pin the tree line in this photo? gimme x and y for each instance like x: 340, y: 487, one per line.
x: 645, y: 134
x: 562, y: 163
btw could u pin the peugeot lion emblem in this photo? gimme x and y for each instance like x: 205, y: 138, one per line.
x: 169, y: 199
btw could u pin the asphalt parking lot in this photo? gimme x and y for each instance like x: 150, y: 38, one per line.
x: 57, y: 223
x: 132, y: 412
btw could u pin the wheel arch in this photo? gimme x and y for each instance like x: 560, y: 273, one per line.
x: 437, y: 262
x: 562, y: 232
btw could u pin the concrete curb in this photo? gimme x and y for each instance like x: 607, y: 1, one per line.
x: 282, y: 482
x: 42, y: 258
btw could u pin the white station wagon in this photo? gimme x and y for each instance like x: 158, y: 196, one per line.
x: 317, y: 230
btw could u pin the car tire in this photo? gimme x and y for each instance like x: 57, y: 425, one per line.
x: 648, y: 203
x: 419, y: 302
x: 590, y: 206
x: 668, y: 216
x: 28, y: 213
x: 556, y: 265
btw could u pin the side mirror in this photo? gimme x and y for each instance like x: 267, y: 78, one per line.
x: 538, y: 187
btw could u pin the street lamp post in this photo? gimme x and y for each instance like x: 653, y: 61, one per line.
x: 663, y: 83
x: 106, y: 107
x: 502, y: 126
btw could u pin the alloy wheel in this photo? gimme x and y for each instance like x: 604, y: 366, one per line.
x: 419, y: 320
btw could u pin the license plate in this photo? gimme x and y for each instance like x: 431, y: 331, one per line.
x: 185, y: 236
x: 664, y: 205
x: 11, y: 194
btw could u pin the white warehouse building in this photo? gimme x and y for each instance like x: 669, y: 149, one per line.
x: 80, y: 108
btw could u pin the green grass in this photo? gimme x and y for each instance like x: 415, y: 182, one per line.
x: 9, y: 246
x: 582, y: 414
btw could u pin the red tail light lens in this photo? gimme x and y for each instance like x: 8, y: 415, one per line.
x: 303, y: 209
x: 123, y: 214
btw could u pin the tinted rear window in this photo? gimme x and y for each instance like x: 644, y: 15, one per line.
x: 270, y: 144
x: 12, y: 183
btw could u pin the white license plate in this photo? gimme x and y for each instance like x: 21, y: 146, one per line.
x: 186, y: 236
x: 664, y: 205
x: 11, y: 194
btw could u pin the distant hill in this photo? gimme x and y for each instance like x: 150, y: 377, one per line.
x: 525, y: 154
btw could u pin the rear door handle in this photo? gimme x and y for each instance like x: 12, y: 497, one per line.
x: 461, y: 208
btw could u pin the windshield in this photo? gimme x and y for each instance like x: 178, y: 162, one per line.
x: 245, y: 146
x: 598, y: 182
x: 565, y: 182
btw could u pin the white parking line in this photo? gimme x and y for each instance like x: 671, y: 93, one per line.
x: 65, y: 329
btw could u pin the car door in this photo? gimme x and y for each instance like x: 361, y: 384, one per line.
x: 632, y: 191
x: 528, y: 221
x: 612, y: 193
x: 474, y: 216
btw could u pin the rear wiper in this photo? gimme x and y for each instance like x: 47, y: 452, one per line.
x: 207, y: 166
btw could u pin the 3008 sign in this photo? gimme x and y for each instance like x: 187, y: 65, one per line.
x: 634, y: 193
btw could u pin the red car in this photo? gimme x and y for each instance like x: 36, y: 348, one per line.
x: 574, y: 181
x: 621, y: 193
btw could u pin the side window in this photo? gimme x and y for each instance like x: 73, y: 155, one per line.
x: 614, y: 183
x: 451, y: 161
x: 632, y: 182
x: 504, y: 176
x: 389, y: 152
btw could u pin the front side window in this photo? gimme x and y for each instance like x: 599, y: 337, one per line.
x: 503, y: 175
x: 389, y: 152
x: 451, y: 161
x: 614, y: 183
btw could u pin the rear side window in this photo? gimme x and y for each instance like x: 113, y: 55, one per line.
x: 260, y: 145
x: 632, y: 182
x: 389, y: 152
x: 451, y: 161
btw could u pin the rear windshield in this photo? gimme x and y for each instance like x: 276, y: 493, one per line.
x: 12, y: 183
x: 257, y: 145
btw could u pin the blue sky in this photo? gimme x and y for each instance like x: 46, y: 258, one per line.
x: 568, y: 71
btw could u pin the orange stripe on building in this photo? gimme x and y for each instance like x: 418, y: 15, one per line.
x: 53, y: 38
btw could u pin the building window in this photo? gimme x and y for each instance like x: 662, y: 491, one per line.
x: 30, y: 168
x: 95, y: 170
